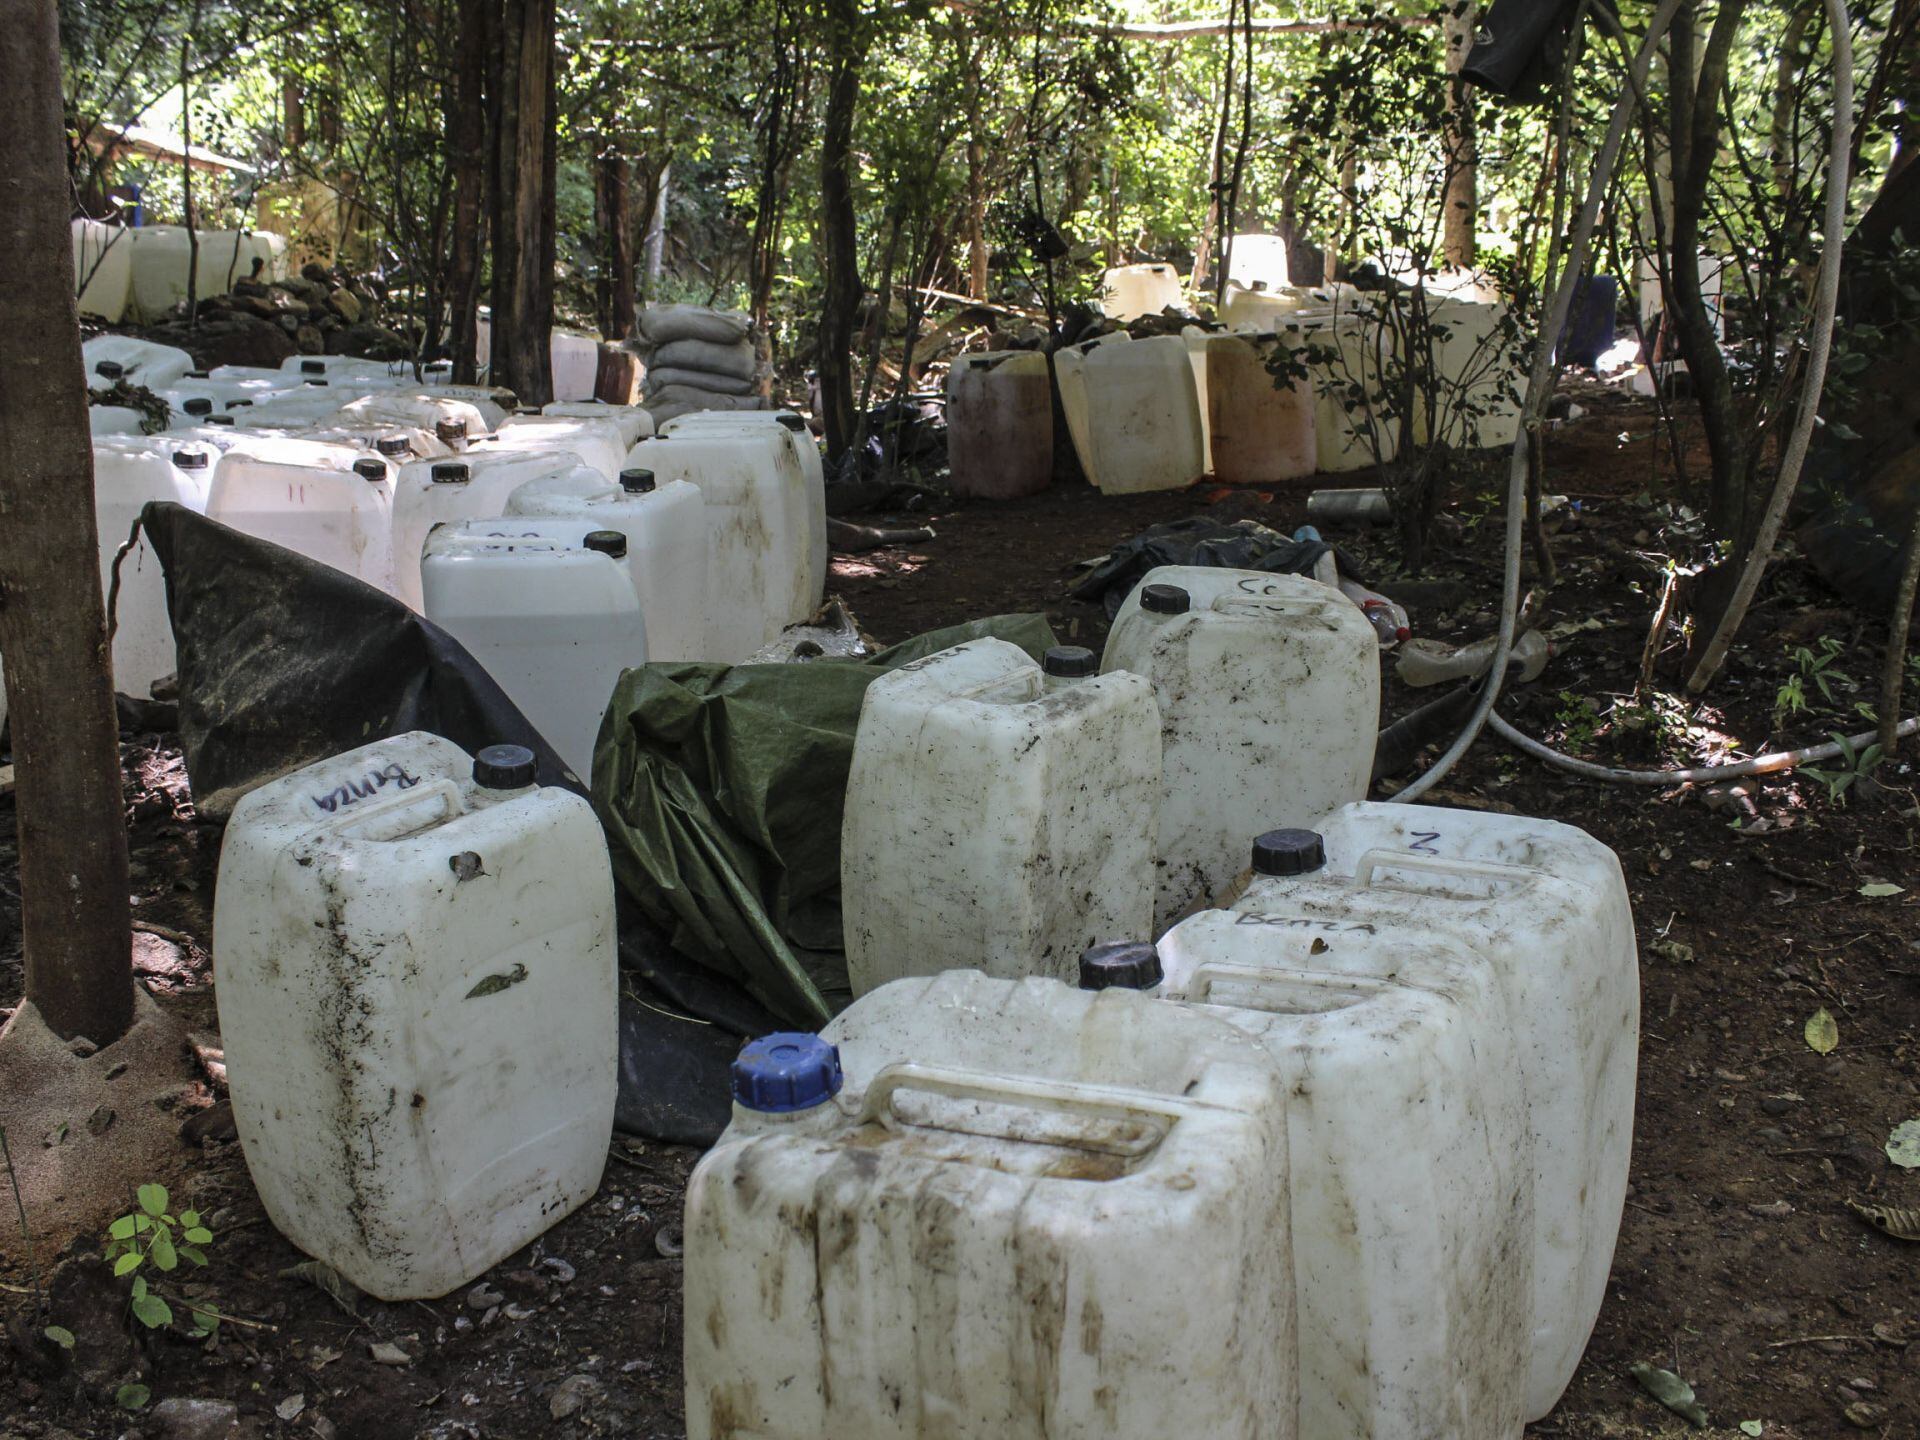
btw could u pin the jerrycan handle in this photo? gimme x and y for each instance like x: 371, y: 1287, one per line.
x: 1151, y: 1121
x: 1270, y: 978
x: 403, y: 813
x: 1442, y: 865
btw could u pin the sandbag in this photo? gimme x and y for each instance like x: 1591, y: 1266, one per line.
x: 663, y: 324
x: 659, y: 377
x: 737, y: 360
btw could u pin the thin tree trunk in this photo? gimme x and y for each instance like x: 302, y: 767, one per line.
x: 74, y: 914
x: 657, y: 226
x: 523, y: 236
x: 976, y: 220
x: 614, y: 194
x: 1461, y: 196
x: 186, y: 173
x: 1892, y: 678
x: 840, y: 299
x: 466, y: 151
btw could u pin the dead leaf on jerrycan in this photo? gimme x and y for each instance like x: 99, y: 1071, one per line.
x: 1670, y: 1390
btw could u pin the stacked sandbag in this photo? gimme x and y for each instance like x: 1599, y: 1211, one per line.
x: 698, y: 359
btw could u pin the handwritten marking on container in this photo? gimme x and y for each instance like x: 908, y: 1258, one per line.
x: 1423, y: 842
x: 352, y: 792
x: 494, y: 984
x: 1303, y: 922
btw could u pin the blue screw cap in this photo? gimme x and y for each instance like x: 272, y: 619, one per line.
x: 778, y: 1074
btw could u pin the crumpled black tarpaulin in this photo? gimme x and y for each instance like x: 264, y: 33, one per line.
x: 1243, y: 545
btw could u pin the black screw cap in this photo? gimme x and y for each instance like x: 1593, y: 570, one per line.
x: 450, y: 429
x: 1165, y: 599
x: 368, y: 468
x: 392, y: 445
x: 191, y: 459
x: 313, y: 367
x: 1288, y: 852
x: 503, y: 767
x: 637, y: 482
x: 198, y: 405
x: 1072, y: 662
x: 110, y: 370
x: 1121, y: 965
x: 607, y: 542
x: 451, y: 472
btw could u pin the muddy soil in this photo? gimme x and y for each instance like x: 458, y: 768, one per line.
x: 1740, y: 1265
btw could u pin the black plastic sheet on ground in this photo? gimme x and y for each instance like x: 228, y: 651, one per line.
x: 1243, y: 545
x: 721, y: 789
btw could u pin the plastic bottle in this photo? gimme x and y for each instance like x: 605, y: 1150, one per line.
x: 1430, y: 662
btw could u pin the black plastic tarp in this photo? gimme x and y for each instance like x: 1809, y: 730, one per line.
x: 1243, y: 545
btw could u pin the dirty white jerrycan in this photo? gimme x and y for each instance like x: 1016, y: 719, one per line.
x: 595, y: 443
x: 1000, y: 815
x: 994, y: 1210
x: 1269, y: 696
x: 1259, y: 432
x: 1000, y: 424
x: 452, y: 422
x: 635, y: 423
x: 805, y: 504
x: 471, y: 486
x: 128, y: 473
x: 1134, y: 413
x: 666, y: 530
x: 758, y: 555
x: 1545, y: 907
x: 418, y: 1000
x: 547, y: 608
x: 1129, y: 291
x: 329, y: 501
x: 111, y: 358
x: 1413, y: 1201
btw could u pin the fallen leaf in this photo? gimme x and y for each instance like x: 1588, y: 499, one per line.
x: 1822, y: 1032
x: 323, y: 1276
x: 1880, y: 889
x: 384, y: 1352
x: 1903, y: 1146
x: 1902, y: 1222
x: 320, y: 1357
x: 1863, y: 1416
x: 1677, y: 951
x: 1670, y: 1390
x: 1752, y: 1427
x: 290, y: 1408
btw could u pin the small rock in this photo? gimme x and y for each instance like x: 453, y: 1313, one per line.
x: 571, y: 1395
x: 308, y: 339
x: 346, y: 305
x: 1863, y: 1416
x: 1776, y: 1210
x: 290, y: 1408
x: 520, y: 1312
x: 82, y: 1046
x: 482, y: 1297
x: 1775, y: 1104
x: 385, y: 1352
x: 179, y: 1418
x: 562, y: 1271
x: 323, y: 1427
x: 213, y: 1123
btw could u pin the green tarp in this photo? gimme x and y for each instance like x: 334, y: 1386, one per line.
x: 721, y: 790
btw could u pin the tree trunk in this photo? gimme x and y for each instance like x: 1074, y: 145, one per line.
x: 613, y: 197
x: 466, y: 160
x: 976, y: 220
x: 657, y: 226
x: 74, y: 917
x: 186, y: 174
x: 1696, y: 136
x: 840, y: 300
x: 1461, y: 197
x: 523, y: 201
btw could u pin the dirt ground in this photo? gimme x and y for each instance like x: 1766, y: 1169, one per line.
x: 1740, y: 1265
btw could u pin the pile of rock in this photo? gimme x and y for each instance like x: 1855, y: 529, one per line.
x: 262, y: 322
x: 697, y: 359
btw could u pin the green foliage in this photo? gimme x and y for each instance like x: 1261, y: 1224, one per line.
x: 149, y: 1237
x: 1851, y: 767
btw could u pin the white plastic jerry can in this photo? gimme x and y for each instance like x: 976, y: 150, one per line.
x: 635, y: 423
x: 471, y: 486
x: 1269, y: 696
x: 1545, y: 907
x: 1134, y: 413
x: 1129, y: 291
x: 666, y: 530
x: 128, y: 473
x: 329, y: 501
x: 999, y: 816
x: 805, y: 503
x: 547, y: 608
x: 984, y: 1209
x: 1413, y: 1188
x: 111, y: 358
x: 418, y: 1000
x: 452, y: 422
x: 757, y: 555
x: 1352, y: 426
x: 595, y: 443
x: 102, y: 268
x: 1260, y: 432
